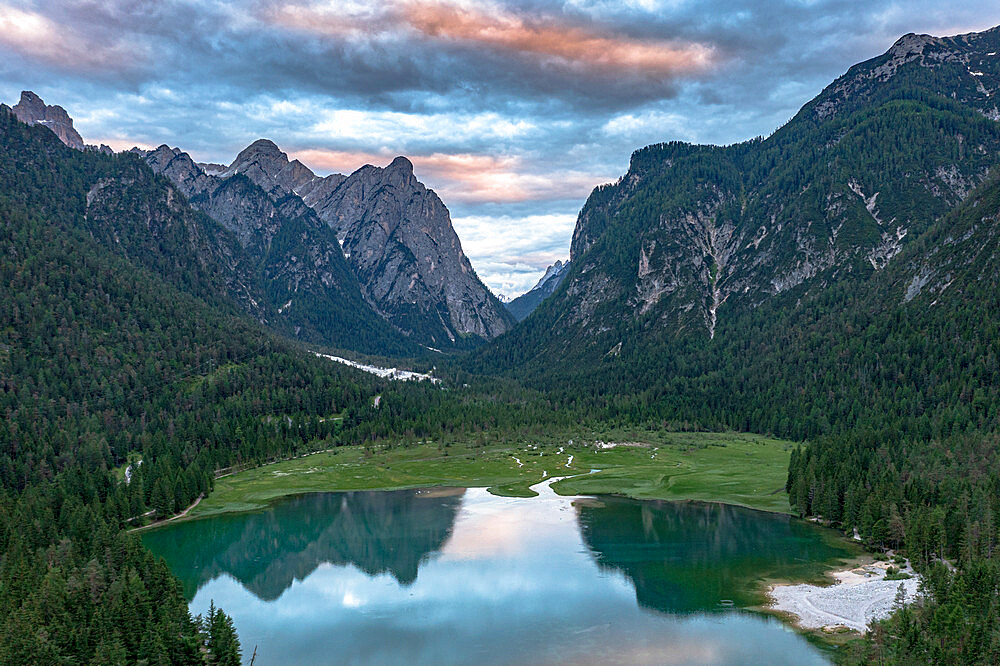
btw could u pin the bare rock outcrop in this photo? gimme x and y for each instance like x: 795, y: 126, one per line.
x: 33, y: 111
x: 397, y: 236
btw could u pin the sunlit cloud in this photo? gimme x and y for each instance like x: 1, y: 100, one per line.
x: 468, y: 178
x: 35, y: 35
x: 546, y: 37
x: 383, y: 127
x: 510, y: 253
x: 338, y: 161
x: 341, y: 19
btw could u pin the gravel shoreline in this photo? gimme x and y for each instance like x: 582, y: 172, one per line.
x: 859, y: 596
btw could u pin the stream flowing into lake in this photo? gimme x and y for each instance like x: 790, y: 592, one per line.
x: 461, y: 576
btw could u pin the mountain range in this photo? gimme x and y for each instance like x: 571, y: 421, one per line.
x: 833, y: 283
x: 397, y: 236
x: 368, y: 262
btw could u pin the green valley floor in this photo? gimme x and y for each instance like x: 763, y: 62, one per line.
x: 735, y: 468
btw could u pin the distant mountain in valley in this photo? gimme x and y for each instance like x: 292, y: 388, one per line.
x: 525, y: 304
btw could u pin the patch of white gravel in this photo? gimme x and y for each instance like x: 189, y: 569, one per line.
x: 859, y: 597
x: 388, y: 373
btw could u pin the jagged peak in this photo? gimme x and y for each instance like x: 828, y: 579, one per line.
x: 164, y: 148
x: 553, y: 270
x: 264, y: 144
x: 398, y: 167
x: 31, y: 109
x: 29, y: 98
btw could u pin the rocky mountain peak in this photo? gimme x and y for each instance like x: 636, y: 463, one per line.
x: 911, y: 44
x: 398, y: 237
x: 970, y: 59
x: 33, y: 111
x: 269, y: 167
x: 551, y: 270
x: 399, y: 174
x: 261, y: 149
x: 163, y: 152
x: 262, y: 155
x: 400, y: 164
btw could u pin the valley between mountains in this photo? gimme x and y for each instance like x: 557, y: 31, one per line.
x: 761, y: 363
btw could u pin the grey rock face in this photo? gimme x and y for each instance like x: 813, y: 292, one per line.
x: 310, y: 290
x: 33, y: 111
x: 398, y: 238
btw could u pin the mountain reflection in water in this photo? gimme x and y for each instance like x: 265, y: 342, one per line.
x: 684, y: 557
x: 377, y: 532
x: 453, y: 576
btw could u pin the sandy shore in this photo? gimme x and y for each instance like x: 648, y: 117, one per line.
x: 859, y: 596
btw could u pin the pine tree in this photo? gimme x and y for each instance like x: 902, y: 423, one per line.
x: 222, y: 643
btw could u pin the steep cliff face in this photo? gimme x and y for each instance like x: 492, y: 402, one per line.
x: 398, y: 238
x: 33, y: 111
x: 305, y: 286
x: 692, y: 235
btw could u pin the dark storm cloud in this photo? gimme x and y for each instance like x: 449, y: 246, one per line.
x: 513, y: 110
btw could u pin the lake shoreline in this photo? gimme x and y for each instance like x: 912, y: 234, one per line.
x: 372, y: 576
x: 856, y: 595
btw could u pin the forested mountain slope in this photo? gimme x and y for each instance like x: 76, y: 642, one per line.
x: 836, y: 282
x: 109, y: 349
x: 694, y: 236
x: 926, y: 478
x: 906, y: 348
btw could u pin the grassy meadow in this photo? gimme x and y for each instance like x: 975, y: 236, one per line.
x: 735, y: 468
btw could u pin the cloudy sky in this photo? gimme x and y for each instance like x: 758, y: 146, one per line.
x: 511, y: 110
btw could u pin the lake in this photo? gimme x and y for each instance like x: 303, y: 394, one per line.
x: 462, y: 576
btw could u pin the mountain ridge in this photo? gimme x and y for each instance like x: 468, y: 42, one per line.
x: 398, y: 237
x: 691, y: 234
x: 383, y: 244
x: 307, y: 290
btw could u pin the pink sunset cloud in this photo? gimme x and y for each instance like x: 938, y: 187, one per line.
x: 545, y: 38
x: 468, y: 178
